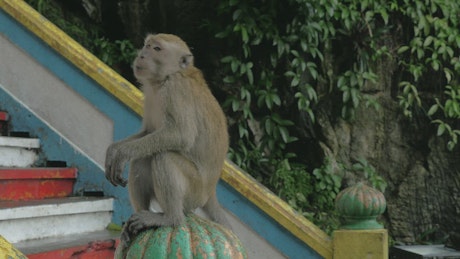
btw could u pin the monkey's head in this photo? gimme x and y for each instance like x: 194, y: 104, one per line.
x: 161, y: 56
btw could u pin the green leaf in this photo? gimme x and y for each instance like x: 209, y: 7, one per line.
x: 247, y: 112
x: 276, y: 99
x: 312, y: 68
x: 384, y: 15
x: 268, y: 101
x: 243, y: 69
x: 341, y: 82
x: 420, y: 53
x: 336, y: 179
x: 435, y: 65
x: 312, y: 93
x: 450, y: 52
x: 451, y: 145
x: 262, y: 95
x: 284, y: 134
x: 235, y: 105
x: 322, y: 185
x: 250, y: 76
x: 236, y: 14
x: 448, y: 73
x: 433, y: 110
x: 311, y: 114
x: 303, y: 45
x: 295, y: 81
x: 229, y: 79
x: 344, y: 112
x: 233, y: 2
x: 268, y: 126
x: 295, y: 53
x: 346, y: 96
x: 428, y: 41
x: 441, y: 129
x: 355, y: 97
x: 289, y: 74
x: 227, y: 59
x: 234, y: 66
x: 245, y: 94
x: 243, y: 131
x: 403, y: 49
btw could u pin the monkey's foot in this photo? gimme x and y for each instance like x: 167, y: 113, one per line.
x: 136, y: 223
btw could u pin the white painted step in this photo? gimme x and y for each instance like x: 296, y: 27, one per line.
x: 18, y: 152
x: 26, y: 220
x: 62, y: 242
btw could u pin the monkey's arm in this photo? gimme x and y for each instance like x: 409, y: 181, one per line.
x: 111, y: 150
x: 178, y: 140
x: 130, y: 138
x: 177, y: 135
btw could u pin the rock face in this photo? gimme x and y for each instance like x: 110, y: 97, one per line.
x: 423, y: 193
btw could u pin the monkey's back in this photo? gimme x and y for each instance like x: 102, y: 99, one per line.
x: 186, y: 101
x: 212, y: 137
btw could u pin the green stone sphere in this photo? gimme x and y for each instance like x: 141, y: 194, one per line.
x: 196, y: 238
x: 360, y: 205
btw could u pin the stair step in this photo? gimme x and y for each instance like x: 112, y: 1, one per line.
x: 98, y: 244
x: 36, y: 183
x: 28, y: 143
x: 18, y: 152
x: 26, y: 220
x: 4, y: 118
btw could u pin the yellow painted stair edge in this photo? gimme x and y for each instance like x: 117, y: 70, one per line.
x: 133, y: 98
x: 7, y: 250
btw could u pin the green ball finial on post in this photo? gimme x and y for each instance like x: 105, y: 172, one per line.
x: 360, y: 205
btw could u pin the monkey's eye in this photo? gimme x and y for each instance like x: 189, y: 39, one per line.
x: 148, y: 46
x: 157, y: 48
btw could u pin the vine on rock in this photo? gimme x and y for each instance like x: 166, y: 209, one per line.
x: 285, y: 57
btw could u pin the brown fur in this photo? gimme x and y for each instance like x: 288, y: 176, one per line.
x: 178, y: 155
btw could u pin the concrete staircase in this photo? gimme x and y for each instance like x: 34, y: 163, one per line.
x: 38, y: 213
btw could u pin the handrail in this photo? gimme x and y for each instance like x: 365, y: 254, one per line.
x: 276, y: 208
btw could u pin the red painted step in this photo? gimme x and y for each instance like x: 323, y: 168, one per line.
x: 4, y: 117
x: 36, y: 183
x: 93, y: 245
x: 94, y: 250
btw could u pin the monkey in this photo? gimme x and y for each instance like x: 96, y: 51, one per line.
x: 177, y: 157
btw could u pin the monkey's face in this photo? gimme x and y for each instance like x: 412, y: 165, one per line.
x: 161, y: 56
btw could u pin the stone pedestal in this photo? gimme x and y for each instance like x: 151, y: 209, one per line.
x: 353, y: 244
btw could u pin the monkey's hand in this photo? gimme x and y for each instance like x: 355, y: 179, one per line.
x: 114, y: 164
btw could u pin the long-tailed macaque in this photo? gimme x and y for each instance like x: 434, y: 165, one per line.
x: 177, y: 157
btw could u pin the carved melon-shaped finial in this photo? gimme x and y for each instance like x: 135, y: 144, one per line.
x: 195, y: 238
x: 360, y: 205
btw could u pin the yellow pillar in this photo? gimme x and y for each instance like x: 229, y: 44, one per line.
x: 360, y: 244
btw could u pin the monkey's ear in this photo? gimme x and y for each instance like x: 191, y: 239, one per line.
x: 186, y: 60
